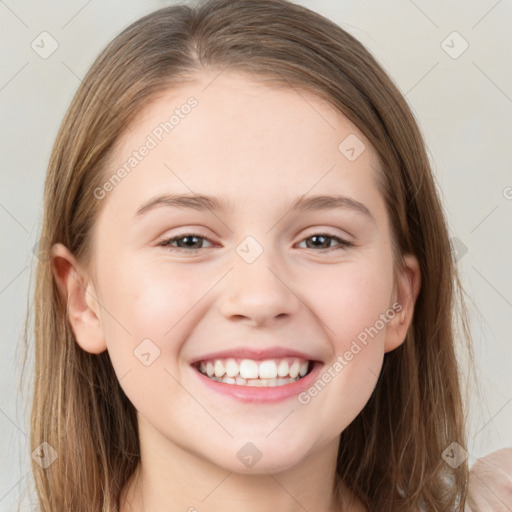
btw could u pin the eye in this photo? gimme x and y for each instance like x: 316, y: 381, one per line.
x: 319, y: 240
x: 191, y: 242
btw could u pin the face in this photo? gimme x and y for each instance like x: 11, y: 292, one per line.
x: 250, y: 279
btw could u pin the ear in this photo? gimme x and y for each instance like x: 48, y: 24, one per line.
x: 77, y: 290
x: 405, y: 292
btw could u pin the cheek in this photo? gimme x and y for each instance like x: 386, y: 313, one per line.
x: 350, y: 301
x: 150, y: 310
x: 148, y: 302
x: 155, y: 295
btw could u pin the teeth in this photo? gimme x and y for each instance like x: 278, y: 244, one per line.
x: 268, y: 370
x: 263, y: 383
x: 247, y: 372
x: 282, y: 371
x: 249, y: 369
x: 219, y: 368
x: 294, y: 369
x: 232, y: 368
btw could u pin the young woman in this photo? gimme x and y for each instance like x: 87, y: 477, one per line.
x: 250, y: 300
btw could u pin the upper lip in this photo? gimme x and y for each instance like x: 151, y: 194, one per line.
x: 257, y: 354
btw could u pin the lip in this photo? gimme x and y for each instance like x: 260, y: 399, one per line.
x: 256, y: 354
x: 262, y: 394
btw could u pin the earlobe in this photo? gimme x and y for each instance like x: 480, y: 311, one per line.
x: 77, y: 291
x: 407, y: 290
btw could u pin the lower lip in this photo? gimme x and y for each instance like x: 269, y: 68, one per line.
x: 262, y: 394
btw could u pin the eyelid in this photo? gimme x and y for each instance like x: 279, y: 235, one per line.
x: 328, y: 231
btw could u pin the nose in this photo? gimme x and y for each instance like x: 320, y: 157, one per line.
x: 258, y: 293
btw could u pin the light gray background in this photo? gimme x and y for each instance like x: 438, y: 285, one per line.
x: 463, y: 105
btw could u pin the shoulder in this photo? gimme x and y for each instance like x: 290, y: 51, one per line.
x: 490, y: 482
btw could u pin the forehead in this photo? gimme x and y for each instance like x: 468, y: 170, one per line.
x: 232, y: 135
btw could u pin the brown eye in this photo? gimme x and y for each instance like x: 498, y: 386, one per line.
x: 322, y: 241
x: 189, y: 242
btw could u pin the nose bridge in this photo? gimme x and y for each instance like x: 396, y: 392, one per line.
x: 256, y: 287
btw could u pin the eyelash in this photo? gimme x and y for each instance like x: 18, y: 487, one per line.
x: 342, y: 244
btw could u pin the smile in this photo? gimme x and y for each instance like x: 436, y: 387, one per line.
x: 249, y: 372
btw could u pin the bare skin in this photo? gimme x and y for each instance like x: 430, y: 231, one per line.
x: 260, y: 148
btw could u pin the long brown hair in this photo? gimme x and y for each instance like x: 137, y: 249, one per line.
x: 391, y: 454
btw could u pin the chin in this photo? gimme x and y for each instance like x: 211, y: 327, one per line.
x: 263, y: 461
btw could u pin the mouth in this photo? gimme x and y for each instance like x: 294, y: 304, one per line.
x: 256, y: 373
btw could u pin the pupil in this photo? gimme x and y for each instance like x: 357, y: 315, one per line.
x: 189, y: 238
x: 317, y: 238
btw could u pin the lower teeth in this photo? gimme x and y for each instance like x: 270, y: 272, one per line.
x: 264, y: 383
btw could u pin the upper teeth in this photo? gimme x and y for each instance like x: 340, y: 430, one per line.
x: 250, y: 369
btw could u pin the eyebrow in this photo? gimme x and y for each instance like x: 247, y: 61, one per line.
x: 302, y: 203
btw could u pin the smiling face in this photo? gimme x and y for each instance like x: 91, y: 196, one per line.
x: 253, y: 273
